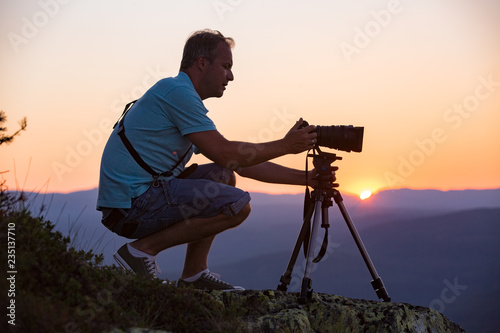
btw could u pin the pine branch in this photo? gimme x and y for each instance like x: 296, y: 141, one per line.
x: 23, y: 123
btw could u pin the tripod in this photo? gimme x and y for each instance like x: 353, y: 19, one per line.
x: 318, y: 204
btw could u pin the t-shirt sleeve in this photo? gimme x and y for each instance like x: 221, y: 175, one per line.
x: 187, y: 111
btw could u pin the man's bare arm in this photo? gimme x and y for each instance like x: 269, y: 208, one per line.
x: 235, y: 154
x: 274, y: 173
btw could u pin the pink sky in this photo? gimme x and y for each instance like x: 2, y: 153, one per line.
x: 423, y: 78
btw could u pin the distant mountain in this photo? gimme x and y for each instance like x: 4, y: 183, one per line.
x: 431, y: 248
x: 75, y: 215
x: 435, y: 200
x: 431, y: 200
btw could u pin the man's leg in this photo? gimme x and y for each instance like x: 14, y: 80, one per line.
x: 196, y: 194
x: 197, y: 252
x: 197, y: 232
x: 197, y: 257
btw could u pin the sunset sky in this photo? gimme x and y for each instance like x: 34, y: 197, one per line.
x: 422, y: 77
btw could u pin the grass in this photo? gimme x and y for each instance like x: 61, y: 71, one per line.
x: 61, y: 289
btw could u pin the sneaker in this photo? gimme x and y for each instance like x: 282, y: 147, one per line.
x: 209, y: 281
x: 139, y: 265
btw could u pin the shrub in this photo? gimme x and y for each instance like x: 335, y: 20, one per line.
x: 60, y: 289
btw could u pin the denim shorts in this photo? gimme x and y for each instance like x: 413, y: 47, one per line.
x: 202, y: 194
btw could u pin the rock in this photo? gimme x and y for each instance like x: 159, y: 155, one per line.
x: 137, y: 330
x: 277, y: 311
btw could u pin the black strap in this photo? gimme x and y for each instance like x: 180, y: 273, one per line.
x: 324, y: 246
x: 307, y: 215
x: 308, y: 209
x: 309, y: 204
x: 135, y: 154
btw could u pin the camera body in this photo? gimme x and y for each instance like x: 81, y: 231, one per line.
x: 342, y: 137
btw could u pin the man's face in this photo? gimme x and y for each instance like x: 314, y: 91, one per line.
x: 219, y: 73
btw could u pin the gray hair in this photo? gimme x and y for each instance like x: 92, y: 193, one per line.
x: 203, y: 43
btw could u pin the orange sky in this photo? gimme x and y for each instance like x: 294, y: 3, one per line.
x: 423, y: 78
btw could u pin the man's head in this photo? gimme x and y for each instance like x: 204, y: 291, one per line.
x: 203, y: 43
x: 207, y: 59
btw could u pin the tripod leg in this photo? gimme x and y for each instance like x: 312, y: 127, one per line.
x: 377, y: 283
x: 306, y: 281
x: 286, y: 278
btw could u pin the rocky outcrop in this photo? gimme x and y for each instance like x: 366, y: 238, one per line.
x: 275, y: 311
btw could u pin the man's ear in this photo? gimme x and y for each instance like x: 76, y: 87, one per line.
x: 201, y: 63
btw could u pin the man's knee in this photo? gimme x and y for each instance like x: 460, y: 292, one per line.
x: 223, y: 176
x: 245, y: 211
x: 242, y: 215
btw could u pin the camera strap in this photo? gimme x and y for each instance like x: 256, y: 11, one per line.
x: 309, y: 204
x: 307, y: 212
x: 135, y: 154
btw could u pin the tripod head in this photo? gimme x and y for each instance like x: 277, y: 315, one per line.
x: 323, y: 164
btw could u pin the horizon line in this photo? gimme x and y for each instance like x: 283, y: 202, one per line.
x: 286, y: 193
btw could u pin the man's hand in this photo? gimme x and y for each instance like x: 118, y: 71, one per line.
x: 312, y: 177
x: 299, y: 140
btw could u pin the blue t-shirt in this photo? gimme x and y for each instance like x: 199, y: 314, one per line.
x: 155, y: 126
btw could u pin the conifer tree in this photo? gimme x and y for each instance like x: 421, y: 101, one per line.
x: 7, y: 200
x: 4, y: 138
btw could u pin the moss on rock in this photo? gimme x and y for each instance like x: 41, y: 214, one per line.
x: 275, y: 311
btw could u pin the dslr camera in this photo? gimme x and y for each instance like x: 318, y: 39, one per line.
x: 341, y: 137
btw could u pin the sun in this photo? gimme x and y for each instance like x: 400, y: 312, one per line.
x: 365, y: 195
